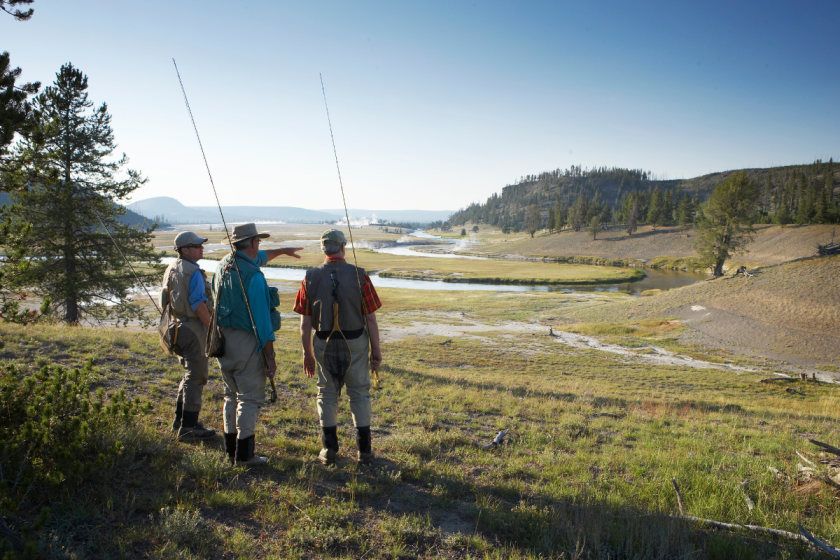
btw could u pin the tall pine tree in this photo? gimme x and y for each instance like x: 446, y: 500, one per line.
x: 71, y: 190
x: 725, y: 226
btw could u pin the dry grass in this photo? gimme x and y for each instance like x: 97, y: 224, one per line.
x: 595, y: 439
x: 772, y: 245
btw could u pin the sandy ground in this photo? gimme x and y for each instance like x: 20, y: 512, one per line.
x: 772, y: 245
x: 788, y: 314
x: 479, y: 331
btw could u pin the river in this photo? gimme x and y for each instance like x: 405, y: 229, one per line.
x: 655, y: 279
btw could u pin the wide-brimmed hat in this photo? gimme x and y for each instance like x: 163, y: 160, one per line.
x: 333, y: 237
x: 186, y: 238
x: 247, y: 231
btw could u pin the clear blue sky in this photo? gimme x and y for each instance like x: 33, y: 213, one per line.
x: 438, y: 104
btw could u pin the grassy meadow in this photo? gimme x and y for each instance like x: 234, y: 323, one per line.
x: 425, y: 268
x: 595, y: 438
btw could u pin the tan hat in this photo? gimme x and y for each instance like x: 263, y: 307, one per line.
x: 332, y: 237
x: 246, y: 231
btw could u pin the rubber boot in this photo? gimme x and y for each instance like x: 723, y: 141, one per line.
x: 230, y: 446
x: 365, y: 453
x: 329, y: 441
x: 190, y: 428
x: 179, y: 410
x: 245, y: 453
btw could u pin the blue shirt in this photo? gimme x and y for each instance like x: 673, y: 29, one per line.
x: 197, y: 291
x: 260, y: 301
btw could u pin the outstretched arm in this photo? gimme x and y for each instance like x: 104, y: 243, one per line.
x: 288, y: 251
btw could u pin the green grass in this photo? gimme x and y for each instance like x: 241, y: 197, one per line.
x: 595, y: 439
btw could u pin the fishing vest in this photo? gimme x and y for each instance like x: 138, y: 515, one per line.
x: 176, y: 288
x: 319, y: 291
x: 232, y: 311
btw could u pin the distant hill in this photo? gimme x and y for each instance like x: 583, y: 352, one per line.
x: 421, y: 216
x: 796, y: 185
x: 129, y: 218
x: 174, y: 212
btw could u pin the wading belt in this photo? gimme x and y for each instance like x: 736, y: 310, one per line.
x: 349, y: 335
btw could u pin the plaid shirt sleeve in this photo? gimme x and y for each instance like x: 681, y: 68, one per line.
x: 302, y: 303
x: 370, y: 299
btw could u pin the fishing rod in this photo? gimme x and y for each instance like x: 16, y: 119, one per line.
x: 350, y: 230
x: 230, y: 242
x: 133, y: 272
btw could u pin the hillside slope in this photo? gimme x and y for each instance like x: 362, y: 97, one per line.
x: 772, y: 245
x: 788, y: 313
x: 796, y: 185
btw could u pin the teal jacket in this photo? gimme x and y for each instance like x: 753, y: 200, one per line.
x: 231, y: 310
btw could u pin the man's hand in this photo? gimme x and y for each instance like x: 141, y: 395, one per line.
x: 203, y: 314
x: 272, y: 368
x: 309, y: 364
x: 375, y: 358
x: 271, y: 363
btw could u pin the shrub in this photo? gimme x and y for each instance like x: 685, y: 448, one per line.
x: 53, y: 435
x: 179, y: 527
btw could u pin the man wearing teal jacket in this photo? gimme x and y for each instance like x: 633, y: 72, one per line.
x: 246, y: 354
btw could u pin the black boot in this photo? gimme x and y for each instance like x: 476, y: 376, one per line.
x: 245, y: 453
x: 329, y: 442
x: 365, y: 454
x: 191, y: 428
x: 179, y: 411
x: 230, y: 446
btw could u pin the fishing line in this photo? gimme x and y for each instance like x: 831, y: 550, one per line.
x: 127, y: 261
x: 349, y: 229
x: 224, y: 223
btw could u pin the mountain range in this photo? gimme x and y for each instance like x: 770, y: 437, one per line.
x: 129, y: 218
x: 170, y: 210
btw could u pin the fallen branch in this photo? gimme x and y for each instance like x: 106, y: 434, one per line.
x: 829, y: 448
x: 731, y: 526
x: 679, y: 496
x: 753, y: 528
x: 794, y: 391
x: 801, y: 456
x: 816, y: 542
x: 769, y: 379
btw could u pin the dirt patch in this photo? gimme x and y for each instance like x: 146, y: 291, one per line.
x: 788, y: 313
x: 647, y: 354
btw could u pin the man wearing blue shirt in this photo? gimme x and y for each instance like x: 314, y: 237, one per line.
x: 186, y: 288
x: 248, y: 356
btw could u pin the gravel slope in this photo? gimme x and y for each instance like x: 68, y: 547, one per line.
x: 788, y: 313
